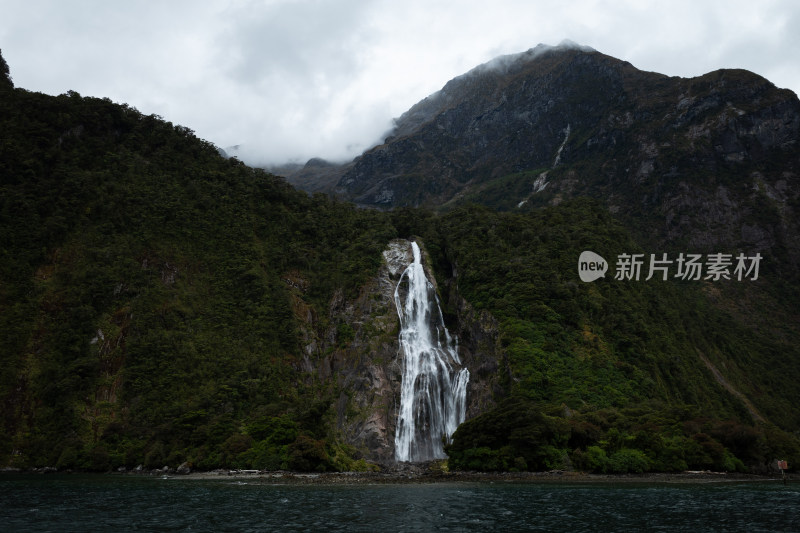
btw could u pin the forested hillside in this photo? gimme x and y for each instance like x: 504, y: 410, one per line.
x: 652, y: 369
x: 143, y: 300
x: 160, y: 304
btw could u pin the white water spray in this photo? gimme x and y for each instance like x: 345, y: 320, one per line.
x: 433, y: 394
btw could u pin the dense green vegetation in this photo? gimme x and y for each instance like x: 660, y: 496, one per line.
x: 520, y: 435
x: 5, y: 75
x: 622, y: 355
x: 144, y: 305
x: 589, y: 343
x: 153, y: 296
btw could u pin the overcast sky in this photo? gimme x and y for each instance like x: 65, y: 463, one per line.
x: 294, y: 79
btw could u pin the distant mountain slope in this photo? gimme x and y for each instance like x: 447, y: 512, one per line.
x: 705, y: 162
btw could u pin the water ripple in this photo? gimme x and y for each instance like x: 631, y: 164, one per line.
x: 104, y: 503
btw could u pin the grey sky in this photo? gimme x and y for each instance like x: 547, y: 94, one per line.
x: 293, y: 79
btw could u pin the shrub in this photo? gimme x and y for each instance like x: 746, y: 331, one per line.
x: 155, y: 457
x: 234, y: 446
x: 307, y: 455
x: 595, y: 459
x: 628, y: 461
x: 68, y: 458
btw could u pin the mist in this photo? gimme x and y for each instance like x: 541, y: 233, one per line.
x: 290, y: 80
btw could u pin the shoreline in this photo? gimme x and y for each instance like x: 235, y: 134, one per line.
x: 357, y: 478
x: 415, y: 474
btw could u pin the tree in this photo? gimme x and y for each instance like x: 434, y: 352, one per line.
x: 5, y: 75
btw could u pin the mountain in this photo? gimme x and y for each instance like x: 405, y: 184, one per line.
x: 703, y: 162
x: 150, y: 295
x: 162, y: 305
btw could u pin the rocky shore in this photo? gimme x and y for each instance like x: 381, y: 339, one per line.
x: 433, y: 473
x: 355, y: 478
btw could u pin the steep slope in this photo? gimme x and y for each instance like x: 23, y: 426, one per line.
x: 704, y: 162
x: 504, y: 116
x: 657, y: 370
x: 160, y: 304
x: 147, y: 294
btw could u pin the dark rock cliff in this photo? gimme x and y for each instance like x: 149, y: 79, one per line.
x: 359, y: 354
x: 502, y: 117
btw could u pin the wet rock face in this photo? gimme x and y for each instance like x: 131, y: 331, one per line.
x: 368, y: 369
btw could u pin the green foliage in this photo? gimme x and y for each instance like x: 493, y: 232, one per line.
x: 68, y: 459
x: 514, y: 435
x: 5, y: 76
x: 307, y: 454
x: 654, y: 437
x: 628, y: 461
x: 601, y: 348
x: 607, y: 343
x: 154, y: 297
x: 149, y: 285
x: 156, y: 456
x: 594, y: 459
x: 276, y: 430
x: 344, y: 334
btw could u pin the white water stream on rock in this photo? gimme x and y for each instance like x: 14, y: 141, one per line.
x: 433, y: 393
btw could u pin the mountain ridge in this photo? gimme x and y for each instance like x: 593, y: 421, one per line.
x: 164, y: 306
x: 559, y: 122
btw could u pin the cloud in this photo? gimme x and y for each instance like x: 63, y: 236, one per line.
x: 293, y: 68
x: 303, y: 78
x: 307, y: 40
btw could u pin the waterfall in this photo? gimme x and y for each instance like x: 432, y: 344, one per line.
x: 433, y: 393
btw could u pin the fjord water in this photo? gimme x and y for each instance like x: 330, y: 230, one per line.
x: 123, y: 503
x: 434, y: 386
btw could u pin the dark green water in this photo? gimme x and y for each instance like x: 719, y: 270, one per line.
x: 128, y: 503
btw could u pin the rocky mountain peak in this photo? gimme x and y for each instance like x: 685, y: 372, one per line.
x: 553, y: 123
x: 502, y: 117
x: 483, y: 76
x: 489, y: 82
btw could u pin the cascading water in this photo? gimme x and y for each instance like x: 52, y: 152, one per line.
x: 433, y: 393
